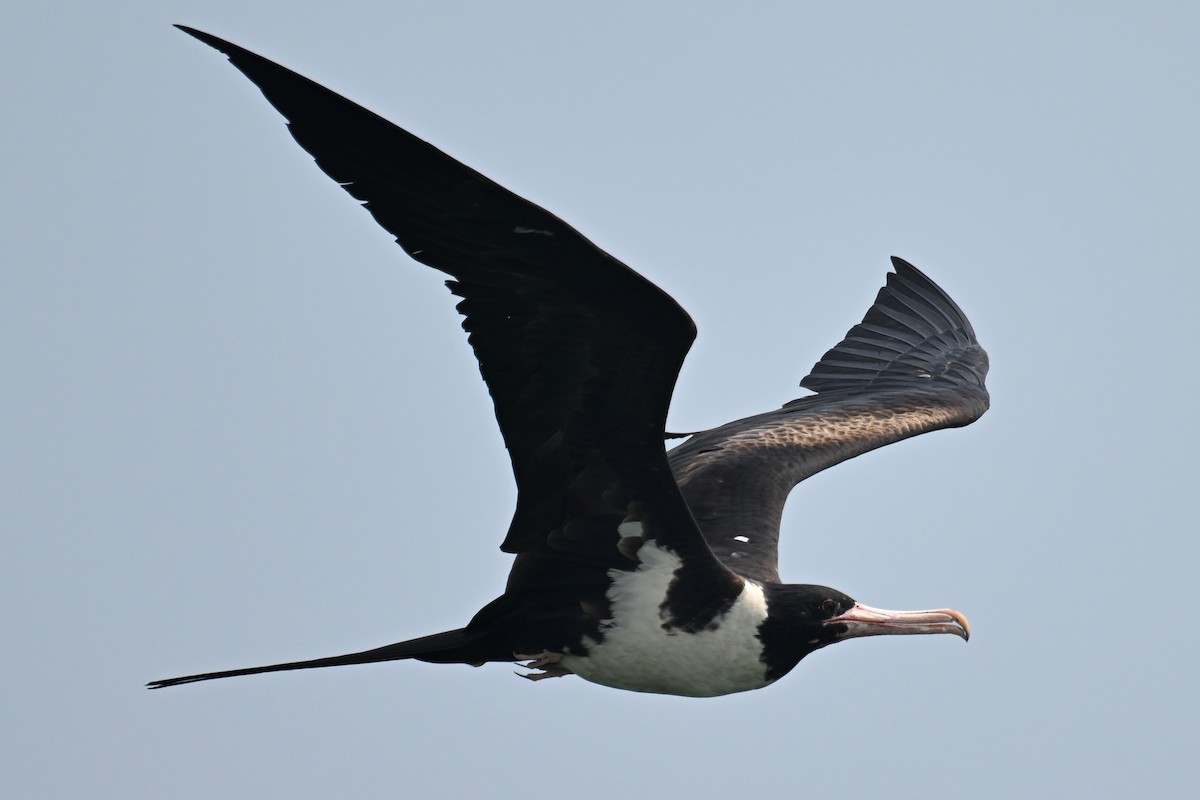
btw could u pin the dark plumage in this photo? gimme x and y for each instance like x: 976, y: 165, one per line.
x: 634, y: 567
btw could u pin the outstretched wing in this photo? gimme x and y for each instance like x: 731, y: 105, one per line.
x: 579, y: 352
x: 913, y: 365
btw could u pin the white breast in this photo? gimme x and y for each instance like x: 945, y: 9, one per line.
x: 640, y: 655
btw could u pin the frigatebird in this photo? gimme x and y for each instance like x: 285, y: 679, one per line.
x: 635, y: 567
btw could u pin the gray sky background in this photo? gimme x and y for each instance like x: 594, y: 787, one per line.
x: 240, y: 426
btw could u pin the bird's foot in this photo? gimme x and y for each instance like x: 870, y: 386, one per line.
x: 545, y: 661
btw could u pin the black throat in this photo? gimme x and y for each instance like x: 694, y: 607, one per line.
x: 795, y: 625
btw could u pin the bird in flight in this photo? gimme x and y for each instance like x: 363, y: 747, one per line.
x: 634, y: 566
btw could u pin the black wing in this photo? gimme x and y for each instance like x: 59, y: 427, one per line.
x: 913, y: 365
x: 579, y: 352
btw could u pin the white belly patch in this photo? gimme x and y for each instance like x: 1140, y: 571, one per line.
x: 638, y: 654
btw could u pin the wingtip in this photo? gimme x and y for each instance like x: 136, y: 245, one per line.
x: 912, y: 321
x: 903, y: 267
x: 214, y: 42
x: 190, y: 31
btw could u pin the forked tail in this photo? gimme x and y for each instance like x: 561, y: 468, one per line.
x: 448, y: 647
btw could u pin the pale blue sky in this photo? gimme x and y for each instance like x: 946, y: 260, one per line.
x: 242, y: 427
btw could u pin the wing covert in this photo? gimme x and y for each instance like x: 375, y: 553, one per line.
x: 913, y: 365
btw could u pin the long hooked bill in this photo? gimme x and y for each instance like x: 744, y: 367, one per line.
x: 863, y: 620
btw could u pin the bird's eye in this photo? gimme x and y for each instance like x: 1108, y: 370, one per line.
x: 829, y: 606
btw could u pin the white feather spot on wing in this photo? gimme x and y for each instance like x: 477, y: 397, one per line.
x: 629, y: 528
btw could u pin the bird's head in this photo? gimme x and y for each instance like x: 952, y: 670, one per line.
x: 803, y: 618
